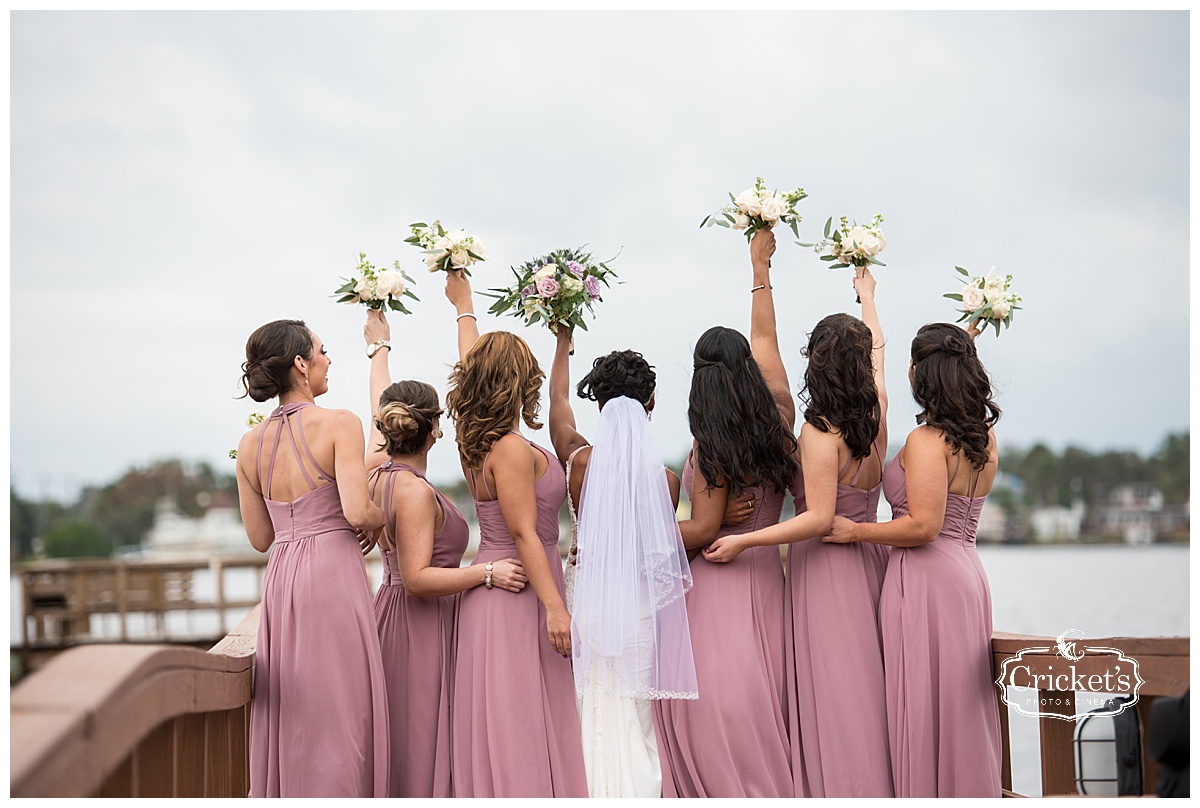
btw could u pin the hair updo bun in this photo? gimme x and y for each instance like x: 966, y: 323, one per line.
x: 621, y: 373
x: 406, y: 416
x: 270, y: 353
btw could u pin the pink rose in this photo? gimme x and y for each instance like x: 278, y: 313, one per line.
x: 592, y: 286
x: 547, y: 287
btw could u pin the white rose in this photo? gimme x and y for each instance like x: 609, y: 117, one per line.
x: 1000, y: 308
x: 772, y: 208
x: 748, y: 202
x: 445, y: 244
x: 547, y: 271
x: 389, y: 282
x: 740, y: 221
x: 459, y: 259
x: 882, y: 240
x: 853, y: 239
x: 972, y: 297
x: 571, y: 284
x: 431, y: 262
x: 456, y: 236
x: 870, y: 244
x: 365, y: 289
x: 477, y: 247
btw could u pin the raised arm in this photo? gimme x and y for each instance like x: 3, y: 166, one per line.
x: 513, y: 469
x: 819, y: 459
x: 764, y: 340
x: 458, y: 292
x: 351, y: 473
x: 865, y: 287
x: 414, y: 548
x: 926, y: 481
x: 377, y: 330
x: 563, y: 435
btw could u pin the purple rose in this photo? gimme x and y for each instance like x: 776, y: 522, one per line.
x: 575, y: 268
x: 592, y: 286
x: 528, y: 291
x: 547, y: 287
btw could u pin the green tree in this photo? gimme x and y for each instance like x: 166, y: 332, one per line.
x: 1171, y: 467
x: 73, y: 538
x: 22, y: 526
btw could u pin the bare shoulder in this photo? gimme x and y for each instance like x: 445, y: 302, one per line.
x: 816, y: 437
x: 512, y: 449
x: 413, y: 492
x: 927, y: 440
x: 343, y: 419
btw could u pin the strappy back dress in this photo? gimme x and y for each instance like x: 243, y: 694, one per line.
x: 936, y: 612
x: 514, y: 721
x: 319, y: 718
x: 835, y: 661
x: 733, y: 740
x: 415, y: 636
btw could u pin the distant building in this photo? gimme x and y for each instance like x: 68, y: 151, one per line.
x: 176, y: 535
x: 993, y: 524
x: 1056, y: 523
x: 1136, y: 512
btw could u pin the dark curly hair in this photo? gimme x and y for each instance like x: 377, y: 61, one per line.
x: 953, y: 390
x: 621, y: 373
x: 839, y: 384
x: 270, y: 352
x: 406, y: 415
x: 742, y: 439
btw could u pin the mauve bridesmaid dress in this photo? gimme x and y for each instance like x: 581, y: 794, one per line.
x: 319, y: 720
x: 415, y: 636
x: 733, y: 740
x: 835, y: 665
x: 936, y: 612
x: 515, y: 728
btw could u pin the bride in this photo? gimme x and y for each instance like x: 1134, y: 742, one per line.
x: 627, y: 574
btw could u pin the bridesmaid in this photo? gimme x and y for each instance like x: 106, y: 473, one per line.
x: 835, y: 662
x: 319, y: 718
x: 514, y: 721
x: 733, y: 741
x: 629, y: 623
x: 936, y: 608
x: 422, y: 545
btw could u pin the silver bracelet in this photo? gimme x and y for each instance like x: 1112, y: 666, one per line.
x: 467, y: 314
x: 487, y: 575
x: 761, y: 286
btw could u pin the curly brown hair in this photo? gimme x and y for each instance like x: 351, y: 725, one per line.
x: 839, y: 382
x: 499, y: 379
x: 953, y: 390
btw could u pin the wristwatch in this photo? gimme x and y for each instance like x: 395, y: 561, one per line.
x: 374, y: 347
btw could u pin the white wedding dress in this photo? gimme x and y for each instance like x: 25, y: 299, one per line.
x: 620, y: 750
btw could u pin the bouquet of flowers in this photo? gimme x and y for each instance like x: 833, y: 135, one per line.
x: 554, y: 288
x: 852, y: 245
x: 757, y: 208
x: 456, y: 249
x: 254, y: 419
x: 376, y: 288
x: 988, y: 298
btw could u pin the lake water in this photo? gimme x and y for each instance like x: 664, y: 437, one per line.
x: 1104, y: 591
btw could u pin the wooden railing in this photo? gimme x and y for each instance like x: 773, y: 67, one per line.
x: 136, y: 721
x: 142, y: 720
x: 1163, y: 662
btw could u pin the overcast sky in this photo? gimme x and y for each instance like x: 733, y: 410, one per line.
x: 179, y: 179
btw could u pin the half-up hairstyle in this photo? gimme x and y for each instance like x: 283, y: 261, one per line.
x: 839, y: 383
x: 498, y: 379
x: 270, y: 353
x: 621, y: 373
x: 953, y: 390
x: 406, y: 416
x: 741, y: 438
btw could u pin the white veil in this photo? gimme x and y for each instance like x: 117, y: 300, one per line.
x: 629, y: 627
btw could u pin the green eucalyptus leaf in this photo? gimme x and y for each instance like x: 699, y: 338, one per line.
x: 962, y: 271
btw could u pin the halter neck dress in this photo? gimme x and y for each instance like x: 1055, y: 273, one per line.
x: 415, y: 637
x: 515, y: 728
x: 936, y: 610
x: 733, y: 740
x: 319, y: 717
x: 835, y: 664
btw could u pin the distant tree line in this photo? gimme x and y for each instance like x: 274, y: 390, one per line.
x: 1052, y: 478
x: 107, y: 518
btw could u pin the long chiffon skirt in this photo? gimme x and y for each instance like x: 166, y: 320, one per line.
x: 836, y: 692
x: 514, y: 719
x: 415, y: 636
x: 319, y: 720
x: 733, y: 740
x: 937, y: 642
